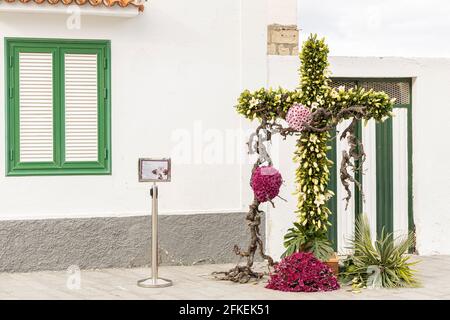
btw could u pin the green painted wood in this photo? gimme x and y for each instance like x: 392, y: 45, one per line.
x: 384, y: 159
x: 332, y: 203
x: 13, y: 109
x: 384, y: 164
x: 411, y: 224
x: 57, y: 47
x: 358, y: 176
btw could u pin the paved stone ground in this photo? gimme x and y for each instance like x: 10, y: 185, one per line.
x: 195, y: 282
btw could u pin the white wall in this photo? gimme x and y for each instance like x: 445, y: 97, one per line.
x: 181, y: 65
x: 178, y: 66
x: 431, y: 149
x: 282, y: 12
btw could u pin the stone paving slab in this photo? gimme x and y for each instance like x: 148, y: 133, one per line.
x: 196, y: 282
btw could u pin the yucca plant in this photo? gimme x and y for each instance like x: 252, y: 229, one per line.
x: 382, y: 263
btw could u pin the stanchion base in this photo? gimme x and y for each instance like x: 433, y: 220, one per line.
x: 154, y: 283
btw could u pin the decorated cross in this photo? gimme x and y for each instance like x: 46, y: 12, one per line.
x: 312, y: 111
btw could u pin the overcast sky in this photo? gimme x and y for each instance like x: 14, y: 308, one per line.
x: 419, y: 28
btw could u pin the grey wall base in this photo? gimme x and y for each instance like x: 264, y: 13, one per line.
x: 56, y: 244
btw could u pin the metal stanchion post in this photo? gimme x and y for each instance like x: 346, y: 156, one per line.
x: 154, y: 281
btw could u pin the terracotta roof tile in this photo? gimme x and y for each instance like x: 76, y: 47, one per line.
x: 107, y: 3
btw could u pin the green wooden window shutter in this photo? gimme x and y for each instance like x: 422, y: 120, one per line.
x: 58, y: 107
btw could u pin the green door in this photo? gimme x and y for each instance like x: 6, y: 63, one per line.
x: 392, y: 162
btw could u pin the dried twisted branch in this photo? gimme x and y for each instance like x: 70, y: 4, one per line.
x: 352, y: 159
x: 239, y: 273
x: 355, y: 152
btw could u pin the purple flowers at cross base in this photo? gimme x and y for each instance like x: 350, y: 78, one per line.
x: 303, y: 272
x: 266, y: 182
x: 297, y: 116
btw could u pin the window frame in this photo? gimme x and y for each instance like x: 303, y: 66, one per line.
x: 59, y: 166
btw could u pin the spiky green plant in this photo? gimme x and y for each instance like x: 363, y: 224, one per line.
x: 386, y: 256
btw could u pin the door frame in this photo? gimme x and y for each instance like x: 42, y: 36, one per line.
x: 332, y: 230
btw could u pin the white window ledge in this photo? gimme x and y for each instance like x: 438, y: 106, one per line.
x: 45, y: 8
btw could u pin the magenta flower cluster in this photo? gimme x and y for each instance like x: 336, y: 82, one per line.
x: 303, y: 272
x: 266, y: 182
x: 297, y: 116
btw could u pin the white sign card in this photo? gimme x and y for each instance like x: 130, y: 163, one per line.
x: 154, y: 170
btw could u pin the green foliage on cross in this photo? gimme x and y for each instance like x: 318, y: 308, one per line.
x: 329, y: 107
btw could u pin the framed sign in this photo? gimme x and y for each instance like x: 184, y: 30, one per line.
x: 154, y: 170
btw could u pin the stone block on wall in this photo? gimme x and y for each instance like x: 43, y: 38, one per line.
x: 282, y: 39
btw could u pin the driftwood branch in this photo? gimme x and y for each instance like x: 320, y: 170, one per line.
x: 355, y: 152
x: 239, y: 273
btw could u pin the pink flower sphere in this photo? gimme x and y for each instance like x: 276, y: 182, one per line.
x: 266, y: 182
x: 297, y: 116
